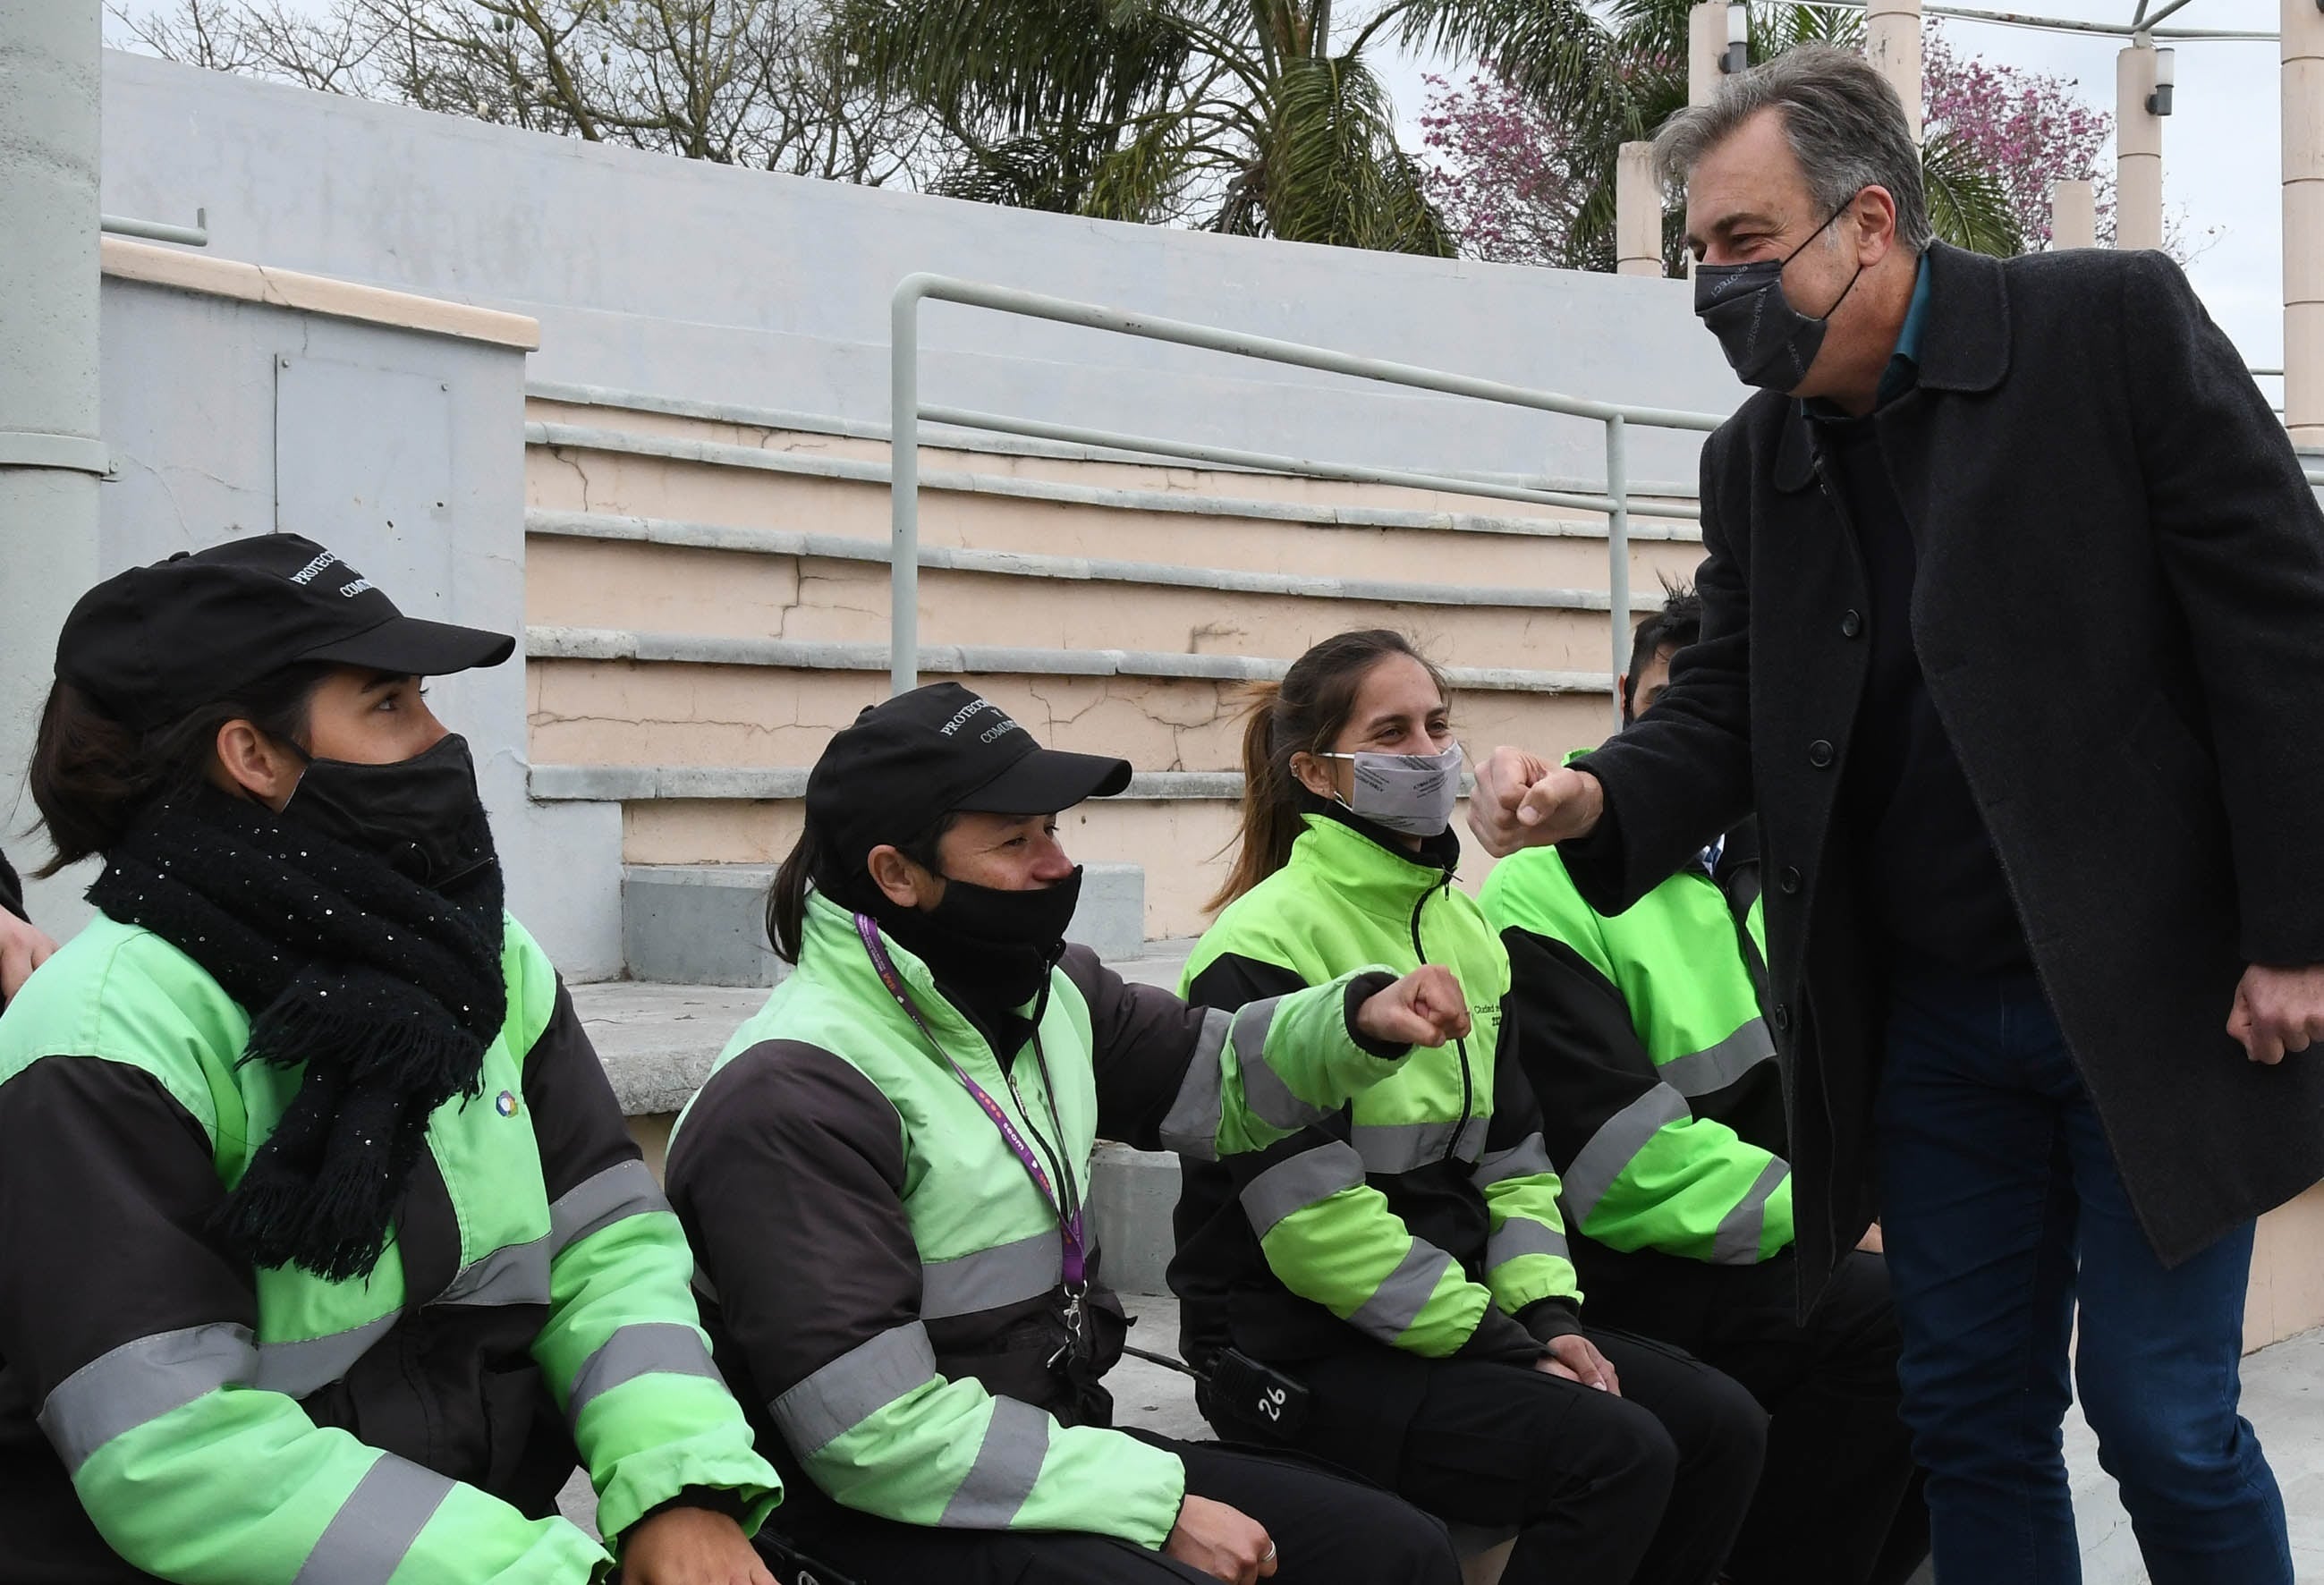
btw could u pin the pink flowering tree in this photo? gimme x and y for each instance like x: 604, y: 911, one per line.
x: 1522, y: 169
x: 2029, y: 129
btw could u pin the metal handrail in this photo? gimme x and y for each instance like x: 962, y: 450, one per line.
x: 197, y: 236
x: 904, y: 460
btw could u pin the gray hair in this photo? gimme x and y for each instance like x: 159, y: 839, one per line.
x: 1844, y: 123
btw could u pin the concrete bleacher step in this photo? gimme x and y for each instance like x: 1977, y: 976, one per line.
x: 2283, y: 1397
x: 707, y: 602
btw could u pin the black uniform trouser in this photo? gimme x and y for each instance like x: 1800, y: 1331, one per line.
x: 1646, y: 1488
x: 1841, y: 1502
x: 1327, y: 1530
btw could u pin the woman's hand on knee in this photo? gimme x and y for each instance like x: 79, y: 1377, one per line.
x: 1575, y: 1357
x: 1221, y: 1541
x: 690, y: 1546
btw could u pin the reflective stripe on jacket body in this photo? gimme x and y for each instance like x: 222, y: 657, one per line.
x: 220, y: 1423
x: 1646, y: 1043
x: 1423, y: 1214
x: 885, y: 1276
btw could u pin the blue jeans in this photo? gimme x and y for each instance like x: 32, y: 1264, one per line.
x: 2001, y: 1207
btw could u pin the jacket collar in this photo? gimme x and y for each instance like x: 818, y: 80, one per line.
x: 1964, y: 348
x: 834, y: 953
x: 1371, y: 875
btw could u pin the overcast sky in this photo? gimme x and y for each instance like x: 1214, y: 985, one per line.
x: 2222, y: 148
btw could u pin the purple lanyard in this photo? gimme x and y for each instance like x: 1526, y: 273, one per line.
x: 1069, y: 1227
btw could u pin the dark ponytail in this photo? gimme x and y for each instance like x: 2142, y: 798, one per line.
x: 1304, y: 713
x: 91, y: 776
x: 809, y: 865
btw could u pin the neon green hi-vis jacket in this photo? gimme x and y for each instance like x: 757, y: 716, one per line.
x: 167, y: 1411
x: 884, y: 1279
x: 1644, y: 1040
x: 1423, y: 1214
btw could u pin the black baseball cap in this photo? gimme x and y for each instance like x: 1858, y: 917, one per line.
x: 155, y: 643
x: 909, y: 762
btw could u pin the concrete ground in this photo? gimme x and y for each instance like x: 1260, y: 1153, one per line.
x: 2284, y: 1397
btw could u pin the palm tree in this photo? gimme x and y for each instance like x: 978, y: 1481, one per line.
x: 1612, y: 78
x: 1263, y: 118
x: 1260, y: 117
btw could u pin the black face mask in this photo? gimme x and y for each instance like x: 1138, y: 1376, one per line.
x: 992, y: 949
x: 1768, y: 341
x: 422, y: 815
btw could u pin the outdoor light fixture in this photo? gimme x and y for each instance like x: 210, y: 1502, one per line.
x: 1738, y: 37
x: 2166, y: 71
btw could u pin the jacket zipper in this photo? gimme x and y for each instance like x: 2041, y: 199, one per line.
x: 1467, y: 1080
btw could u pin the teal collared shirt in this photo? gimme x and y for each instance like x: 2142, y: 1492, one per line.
x: 1904, y: 370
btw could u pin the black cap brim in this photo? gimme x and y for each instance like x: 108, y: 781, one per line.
x: 409, y: 646
x: 1047, y: 780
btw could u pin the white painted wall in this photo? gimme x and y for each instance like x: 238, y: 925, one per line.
x: 704, y: 282
x: 403, y: 451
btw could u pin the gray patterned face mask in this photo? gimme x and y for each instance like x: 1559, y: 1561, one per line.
x: 1768, y: 341
x: 1413, y: 794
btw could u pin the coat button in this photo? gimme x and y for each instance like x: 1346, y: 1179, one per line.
x: 1850, y: 625
x: 1790, y: 880
x: 1820, y: 754
x: 1782, y: 1016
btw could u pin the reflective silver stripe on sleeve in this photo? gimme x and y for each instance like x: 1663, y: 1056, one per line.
x: 1737, y: 1241
x: 141, y: 1381
x: 1402, y: 1294
x: 1397, y: 1147
x: 1610, y: 1149
x: 1007, y: 1274
x: 621, y: 1190
x: 1191, y: 1127
x: 1008, y: 1465
x: 366, y: 1540
x: 1521, y: 1236
x: 1270, y: 1100
x: 513, y: 1274
x: 643, y: 1347
x: 312, y: 1364
x: 1714, y: 1067
x: 855, y: 1386
x: 1295, y: 1185
x: 1527, y: 1158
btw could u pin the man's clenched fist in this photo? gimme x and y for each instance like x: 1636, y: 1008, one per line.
x: 1426, y: 1008
x: 1522, y: 800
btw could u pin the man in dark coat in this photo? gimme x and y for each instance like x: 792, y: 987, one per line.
x: 2014, y: 636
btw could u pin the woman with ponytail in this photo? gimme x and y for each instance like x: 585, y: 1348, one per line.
x: 1402, y: 1256
x: 323, y: 1248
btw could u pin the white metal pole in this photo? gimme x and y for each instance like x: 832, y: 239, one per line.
x: 2303, y: 222
x: 1618, y: 551
x: 2074, y: 216
x: 1706, y: 48
x: 1891, y: 42
x: 904, y: 489
x: 2138, y: 152
x: 1637, y: 213
x: 50, y: 455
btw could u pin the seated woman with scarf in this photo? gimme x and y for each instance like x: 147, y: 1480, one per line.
x: 885, y: 1179
x: 323, y: 1248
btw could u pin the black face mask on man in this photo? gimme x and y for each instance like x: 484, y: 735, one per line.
x: 1768, y: 341
x: 423, y: 814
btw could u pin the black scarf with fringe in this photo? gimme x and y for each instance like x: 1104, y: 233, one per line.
x: 384, y: 992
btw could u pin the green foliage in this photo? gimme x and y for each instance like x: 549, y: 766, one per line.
x: 1239, y: 117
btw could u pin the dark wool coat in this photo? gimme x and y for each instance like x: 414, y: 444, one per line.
x: 2119, y: 613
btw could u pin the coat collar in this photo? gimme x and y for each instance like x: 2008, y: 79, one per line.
x: 1964, y: 348
x: 1369, y: 874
